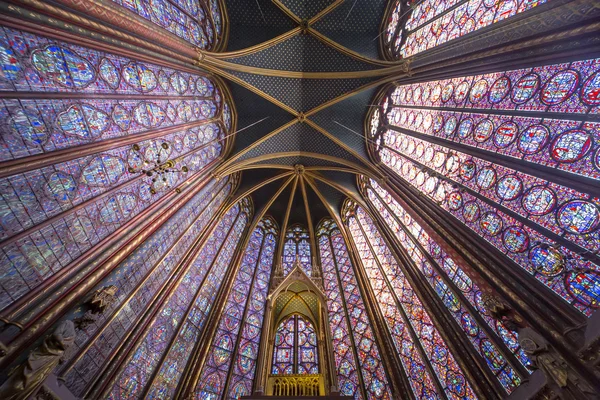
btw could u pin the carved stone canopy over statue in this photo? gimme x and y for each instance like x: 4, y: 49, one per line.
x: 102, y: 299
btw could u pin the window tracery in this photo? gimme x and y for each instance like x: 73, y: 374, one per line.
x: 354, y: 346
x: 51, y: 215
x: 297, y: 245
x: 415, y: 336
x: 295, y: 350
x: 453, y: 286
x: 197, y: 22
x: 431, y: 23
x: 155, y: 366
x: 231, y: 361
x: 541, y: 225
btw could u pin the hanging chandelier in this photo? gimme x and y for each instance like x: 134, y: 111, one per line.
x: 155, y: 163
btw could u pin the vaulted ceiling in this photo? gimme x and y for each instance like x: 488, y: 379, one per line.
x: 302, y: 75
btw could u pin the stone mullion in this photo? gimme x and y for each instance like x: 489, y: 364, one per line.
x: 263, y: 345
x: 493, y: 336
x: 346, y: 315
x: 18, y: 308
x: 416, y: 341
x: 124, y: 352
x: 574, y: 247
x: 483, y: 381
x: 390, y: 357
x: 20, y: 165
x: 559, y: 323
x: 571, y: 180
x: 202, y: 337
x: 115, y: 16
x: 63, y: 294
x: 251, y: 287
x: 477, y: 251
x: 82, y: 205
x: 90, y: 342
x: 189, y: 379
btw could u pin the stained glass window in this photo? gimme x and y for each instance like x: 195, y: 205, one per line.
x: 356, y: 353
x: 139, y: 279
x: 52, y: 214
x: 297, y: 245
x: 198, y: 22
x: 154, y: 367
x: 431, y: 23
x: 415, y: 336
x: 460, y: 294
x: 542, y: 225
x: 295, y: 350
x: 231, y: 361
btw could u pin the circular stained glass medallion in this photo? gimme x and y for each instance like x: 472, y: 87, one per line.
x: 491, y: 223
x: 559, y: 87
x: 571, y: 146
x: 515, y: 239
x: 533, y: 139
x: 590, y: 91
x: 478, y: 91
x: 461, y: 91
x: 486, y: 178
x: 483, y: 130
x: 450, y: 126
x: 509, y: 187
x: 539, y: 200
x: 464, y: 128
x: 471, y: 211
x: 499, y: 89
x: 578, y: 217
x: 525, y: 88
x: 447, y: 92
x: 506, y: 134
x: 547, y: 260
x: 469, y: 325
x: 467, y: 170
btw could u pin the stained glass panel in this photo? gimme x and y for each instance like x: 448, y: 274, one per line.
x: 354, y: 346
x: 409, y: 323
x: 297, y: 245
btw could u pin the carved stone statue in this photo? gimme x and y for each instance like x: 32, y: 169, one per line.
x: 560, y: 376
x: 27, y: 377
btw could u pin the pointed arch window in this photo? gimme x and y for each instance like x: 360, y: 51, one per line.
x: 231, y: 361
x: 155, y: 366
x: 297, y: 245
x: 357, y: 356
x: 419, y: 344
x: 430, y: 23
x: 460, y: 294
x: 197, y: 22
x: 148, y: 266
x: 50, y: 216
x: 543, y: 224
x: 296, y: 347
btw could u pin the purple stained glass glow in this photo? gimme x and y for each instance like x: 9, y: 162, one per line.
x: 354, y: 346
x: 233, y: 351
x: 297, y: 246
x: 296, y: 347
x: 408, y: 322
x: 441, y: 272
x: 182, y: 317
x: 60, y: 211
